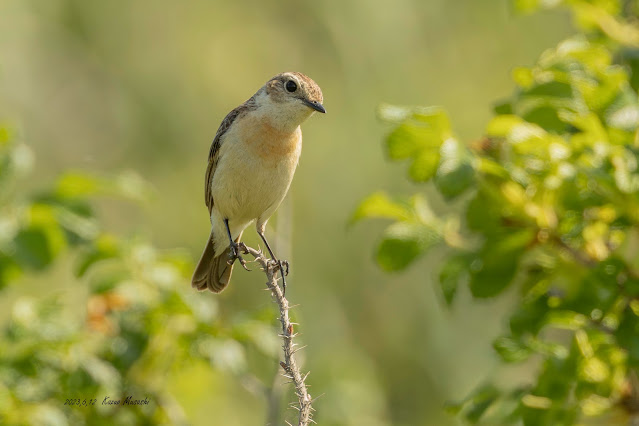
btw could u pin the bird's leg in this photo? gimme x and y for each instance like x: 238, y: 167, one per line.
x: 235, y: 248
x: 283, y: 264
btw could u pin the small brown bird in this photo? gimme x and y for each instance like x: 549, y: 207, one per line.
x: 251, y: 165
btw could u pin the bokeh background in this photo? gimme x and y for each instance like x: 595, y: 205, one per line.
x: 142, y: 86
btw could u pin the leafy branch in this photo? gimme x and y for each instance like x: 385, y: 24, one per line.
x: 549, y: 197
x: 138, y: 321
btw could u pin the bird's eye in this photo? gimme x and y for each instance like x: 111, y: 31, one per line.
x: 291, y: 86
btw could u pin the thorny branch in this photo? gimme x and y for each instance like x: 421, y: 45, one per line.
x: 290, y: 367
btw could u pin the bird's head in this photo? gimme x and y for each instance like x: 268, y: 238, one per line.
x: 291, y: 97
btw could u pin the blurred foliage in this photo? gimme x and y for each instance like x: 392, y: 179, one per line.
x: 143, y: 85
x: 550, y: 202
x: 142, y: 320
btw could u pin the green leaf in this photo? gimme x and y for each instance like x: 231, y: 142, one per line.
x: 379, y: 205
x: 77, y: 184
x: 551, y: 89
x: 503, y: 107
x: 497, y: 263
x: 547, y: 349
x: 424, y: 166
x: 557, y: 376
x: 33, y: 250
x: 105, y: 247
x: 489, y: 167
x: 80, y: 226
x: 415, y: 135
x: 503, y: 125
x: 511, y: 350
x: 418, y: 137
x: 516, y: 129
x: 546, y: 117
x: 41, y: 240
x: 5, y: 135
x: 451, y: 274
x: 9, y: 270
x: 455, y: 173
x: 628, y: 331
x: 529, y: 317
x: 524, y: 77
x: 474, y: 407
x: 403, y: 242
x: 568, y: 320
x: 630, y: 57
x: 484, y: 211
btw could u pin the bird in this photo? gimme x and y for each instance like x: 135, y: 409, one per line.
x: 251, y: 164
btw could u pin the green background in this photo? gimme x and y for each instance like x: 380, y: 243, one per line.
x: 115, y: 86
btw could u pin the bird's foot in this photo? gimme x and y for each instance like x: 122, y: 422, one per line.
x: 280, y: 265
x: 283, y: 266
x: 234, y: 254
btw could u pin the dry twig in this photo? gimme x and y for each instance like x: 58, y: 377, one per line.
x: 290, y: 367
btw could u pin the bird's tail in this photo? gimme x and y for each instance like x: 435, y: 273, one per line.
x: 213, y: 272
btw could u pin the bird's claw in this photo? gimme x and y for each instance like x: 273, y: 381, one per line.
x: 281, y: 265
x: 284, y: 264
x: 234, y: 254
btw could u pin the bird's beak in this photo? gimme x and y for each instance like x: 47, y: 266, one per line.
x: 315, y: 105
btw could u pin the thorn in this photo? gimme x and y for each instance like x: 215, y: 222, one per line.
x: 316, y: 398
x: 293, y: 352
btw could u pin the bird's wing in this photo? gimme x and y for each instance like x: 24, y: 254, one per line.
x: 214, y: 153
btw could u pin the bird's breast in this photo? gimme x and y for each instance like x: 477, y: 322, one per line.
x: 269, y: 143
x: 255, y: 169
